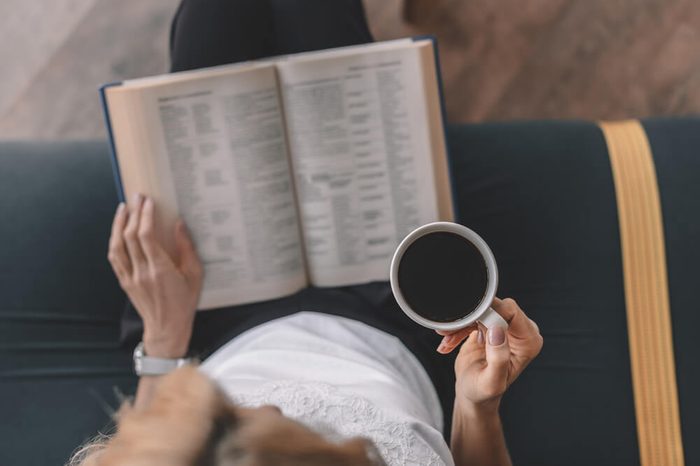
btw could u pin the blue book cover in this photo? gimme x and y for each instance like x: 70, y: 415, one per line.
x: 110, y: 136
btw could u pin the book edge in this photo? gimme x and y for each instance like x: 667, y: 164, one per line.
x: 443, y: 112
x: 110, y: 136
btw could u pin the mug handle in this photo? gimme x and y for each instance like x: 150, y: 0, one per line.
x: 491, y: 319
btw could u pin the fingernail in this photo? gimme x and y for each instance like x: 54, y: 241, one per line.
x: 443, y: 347
x: 120, y: 207
x: 480, y: 337
x: 496, y: 336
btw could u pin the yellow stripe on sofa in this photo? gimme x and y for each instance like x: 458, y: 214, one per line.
x: 646, y: 294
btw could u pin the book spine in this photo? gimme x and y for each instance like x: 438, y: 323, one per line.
x: 443, y: 112
x: 110, y: 136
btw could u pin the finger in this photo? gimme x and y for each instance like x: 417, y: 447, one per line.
x: 472, y: 351
x: 189, y: 261
x: 470, y: 344
x: 452, y: 340
x: 116, y: 254
x: 153, y: 251
x: 138, y: 259
x: 505, y: 308
x: 495, y: 375
x: 475, y: 342
x: 519, y: 325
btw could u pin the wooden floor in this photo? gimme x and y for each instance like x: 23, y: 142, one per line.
x: 592, y: 59
x: 62, y: 50
x: 504, y: 59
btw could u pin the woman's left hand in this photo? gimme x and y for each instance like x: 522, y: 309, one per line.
x: 488, y: 362
x: 163, y: 290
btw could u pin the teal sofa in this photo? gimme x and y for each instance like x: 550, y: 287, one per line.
x: 540, y: 193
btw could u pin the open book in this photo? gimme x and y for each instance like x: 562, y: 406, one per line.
x: 306, y: 169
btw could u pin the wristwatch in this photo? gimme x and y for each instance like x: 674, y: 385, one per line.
x: 148, y: 365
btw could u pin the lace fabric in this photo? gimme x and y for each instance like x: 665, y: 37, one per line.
x: 337, y: 415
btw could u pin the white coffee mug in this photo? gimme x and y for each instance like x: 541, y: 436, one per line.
x: 483, y: 312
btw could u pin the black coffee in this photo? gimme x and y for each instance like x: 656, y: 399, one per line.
x: 442, y: 276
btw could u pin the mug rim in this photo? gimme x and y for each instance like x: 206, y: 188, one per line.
x: 491, y: 274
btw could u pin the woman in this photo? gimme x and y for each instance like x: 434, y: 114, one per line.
x: 334, y: 376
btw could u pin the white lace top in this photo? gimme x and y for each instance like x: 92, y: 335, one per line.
x: 341, y: 378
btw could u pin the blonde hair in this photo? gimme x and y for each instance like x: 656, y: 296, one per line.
x: 87, y: 453
x: 190, y: 422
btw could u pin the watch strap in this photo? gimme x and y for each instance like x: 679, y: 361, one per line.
x: 149, y: 365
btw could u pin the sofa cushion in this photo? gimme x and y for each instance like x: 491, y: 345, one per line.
x: 59, y: 302
x: 542, y: 195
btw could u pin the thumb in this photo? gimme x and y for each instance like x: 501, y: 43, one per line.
x: 188, y: 259
x: 495, y: 375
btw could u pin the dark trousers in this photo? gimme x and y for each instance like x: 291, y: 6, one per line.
x: 214, y: 32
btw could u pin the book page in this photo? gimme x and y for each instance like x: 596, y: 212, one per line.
x: 361, y: 155
x: 222, y: 165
